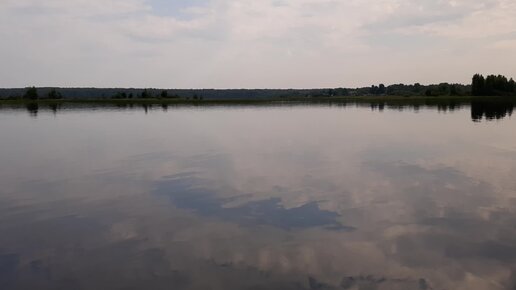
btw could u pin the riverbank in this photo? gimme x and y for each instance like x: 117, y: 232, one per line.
x: 354, y: 99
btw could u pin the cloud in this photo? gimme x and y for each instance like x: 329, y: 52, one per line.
x: 244, y: 43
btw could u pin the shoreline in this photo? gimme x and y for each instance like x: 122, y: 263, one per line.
x: 357, y: 99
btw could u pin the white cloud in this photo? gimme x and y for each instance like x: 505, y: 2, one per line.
x: 246, y: 43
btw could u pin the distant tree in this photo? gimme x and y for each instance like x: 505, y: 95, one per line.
x: 478, y: 85
x: 492, y: 85
x: 399, y: 90
x: 501, y: 83
x: 120, y: 95
x: 443, y: 89
x: 31, y: 93
x: 381, y: 89
x: 164, y: 94
x: 54, y: 94
x: 373, y: 90
x: 145, y: 94
x: 453, y: 90
x: 512, y: 86
x: 417, y: 87
x: 342, y: 92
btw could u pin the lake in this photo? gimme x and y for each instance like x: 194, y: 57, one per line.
x: 321, y: 196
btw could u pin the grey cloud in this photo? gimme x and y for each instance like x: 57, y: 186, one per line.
x: 276, y: 43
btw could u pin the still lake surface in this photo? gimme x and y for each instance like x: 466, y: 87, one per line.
x: 258, y: 197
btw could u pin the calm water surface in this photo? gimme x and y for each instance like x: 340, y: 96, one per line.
x: 271, y: 197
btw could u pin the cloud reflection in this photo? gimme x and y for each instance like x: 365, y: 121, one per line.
x: 221, y: 201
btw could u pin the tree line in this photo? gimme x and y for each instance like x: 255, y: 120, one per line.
x: 417, y: 89
x: 491, y: 85
x: 31, y: 93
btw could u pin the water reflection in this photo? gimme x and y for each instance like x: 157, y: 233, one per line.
x: 185, y: 192
x: 272, y: 197
x: 488, y: 110
x: 494, y: 110
x: 33, y: 109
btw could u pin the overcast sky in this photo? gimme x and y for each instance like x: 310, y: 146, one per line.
x: 253, y: 43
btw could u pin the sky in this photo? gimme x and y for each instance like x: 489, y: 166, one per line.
x: 253, y: 43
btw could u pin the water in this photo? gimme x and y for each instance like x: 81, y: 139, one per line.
x: 267, y: 197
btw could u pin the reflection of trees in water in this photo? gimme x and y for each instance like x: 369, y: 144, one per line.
x: 380, y: 106
x: 54, y: 108
x: 441, y: 106
x: 480, y: 109
x: 491, y: 110
x: 33, y: 109
x: 448, y: 106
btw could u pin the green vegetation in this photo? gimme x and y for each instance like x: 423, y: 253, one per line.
x: 54, y: 95
x: 145, y: 94
x: 444, y: 97
x: 490, y: 86
x: 31, y: 94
